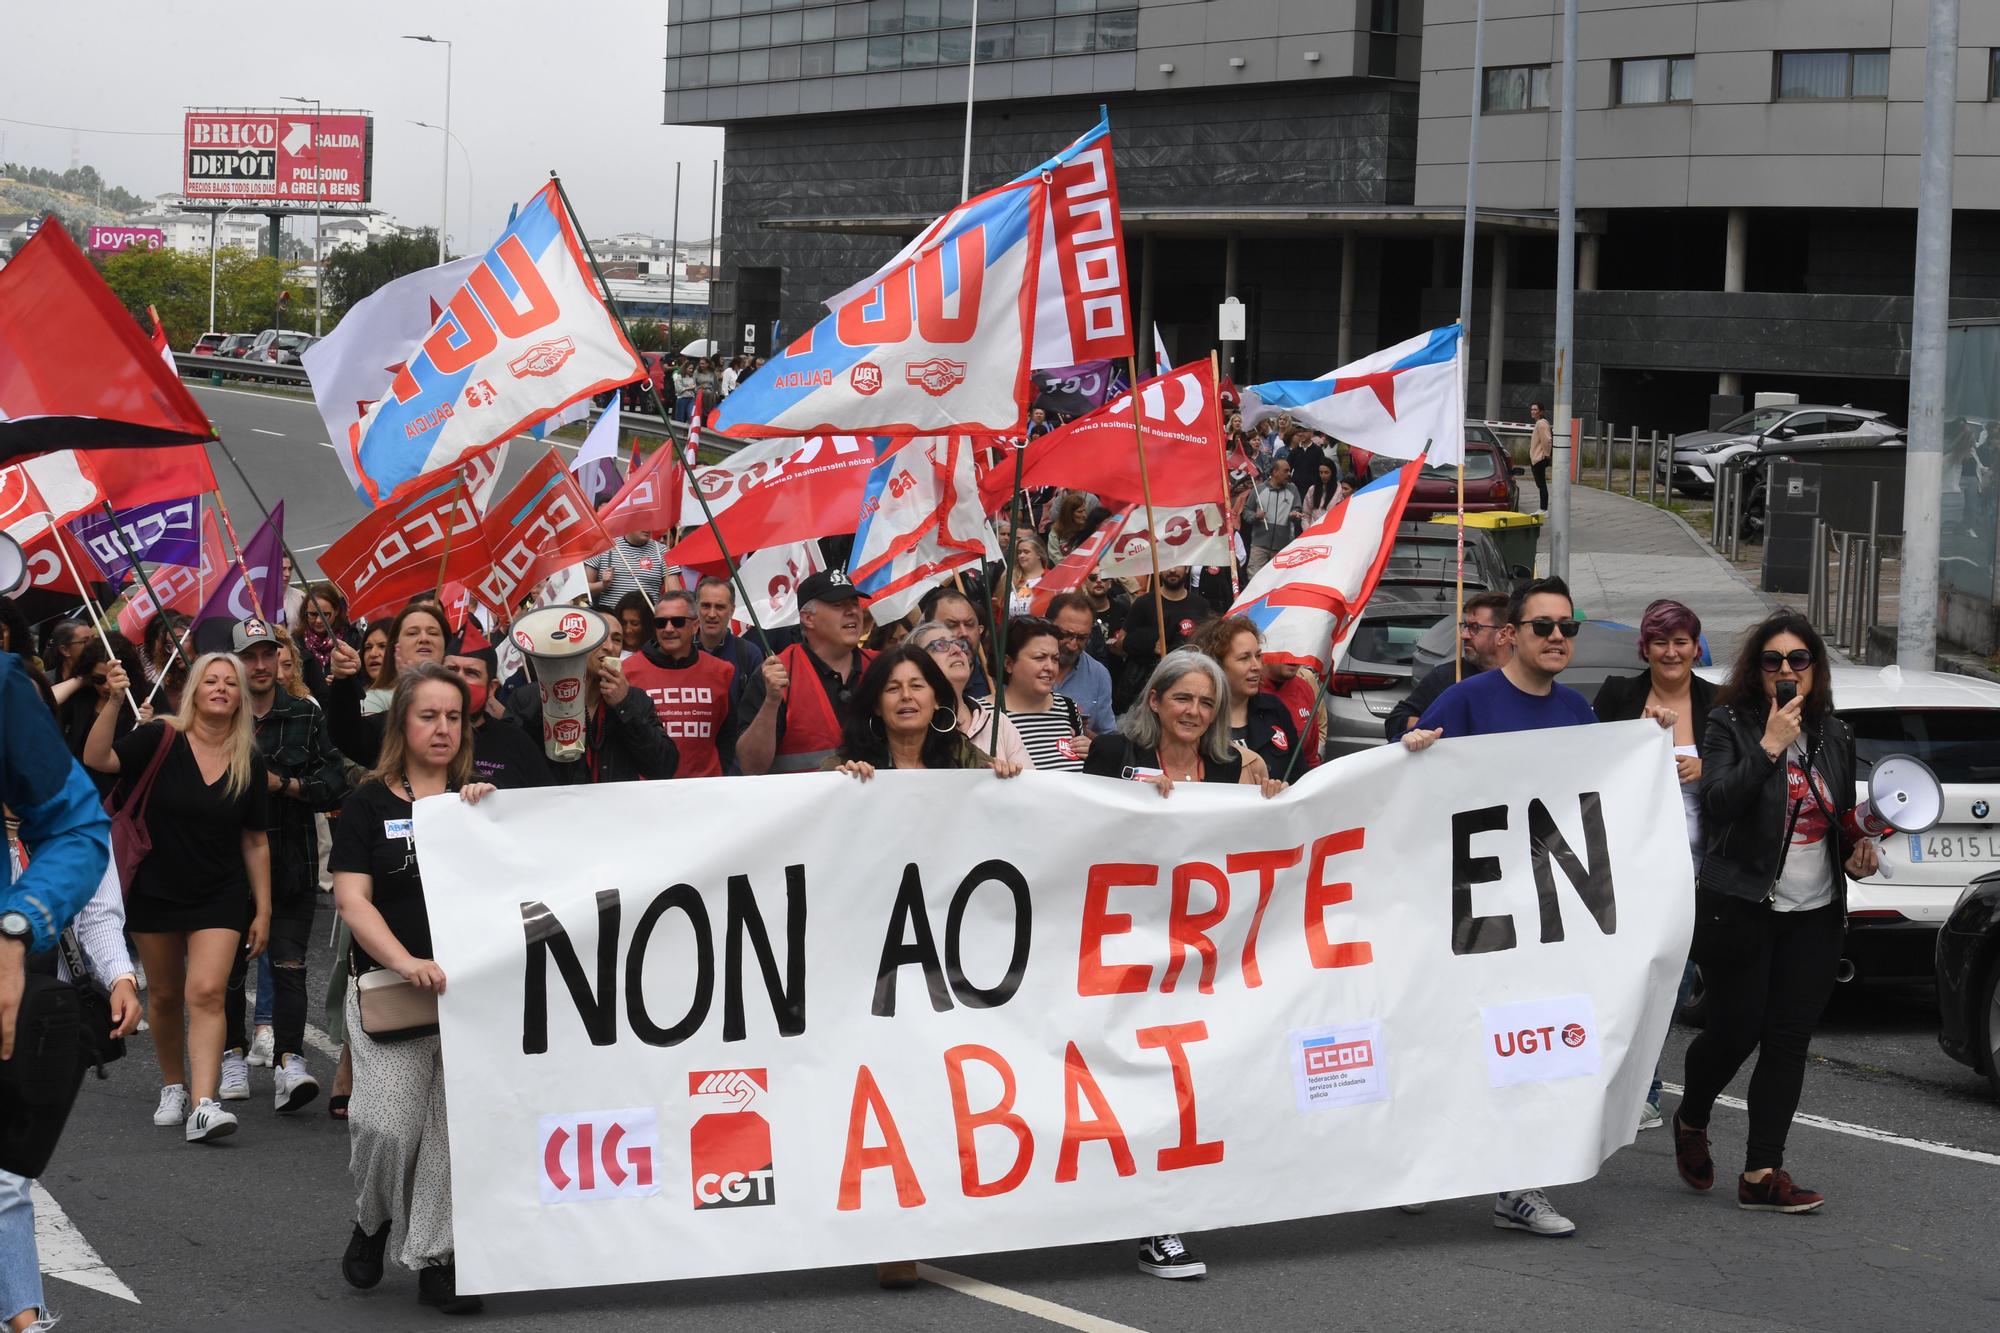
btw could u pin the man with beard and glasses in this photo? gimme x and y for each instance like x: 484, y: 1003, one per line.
x: 1083, y: 679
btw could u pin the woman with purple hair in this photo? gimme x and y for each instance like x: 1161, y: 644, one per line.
x: 1670, y: 646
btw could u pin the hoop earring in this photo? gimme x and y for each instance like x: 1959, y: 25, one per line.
x: 951, y: 721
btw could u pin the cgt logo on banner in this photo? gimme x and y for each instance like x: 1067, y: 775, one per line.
x: 1227, y: 1012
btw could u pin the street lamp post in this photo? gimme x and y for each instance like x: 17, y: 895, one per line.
x: 319, y: 189
x: 470, y: 188
x: 444, y: 188
x: 213, y: 219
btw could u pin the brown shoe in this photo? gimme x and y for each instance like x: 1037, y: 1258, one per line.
x: 1776, y: 1193
x: 1691, y: 1157
x: 896, y: 1276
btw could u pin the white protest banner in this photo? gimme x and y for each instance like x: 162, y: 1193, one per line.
x: 1189, y: 535
x: 935, y: 1013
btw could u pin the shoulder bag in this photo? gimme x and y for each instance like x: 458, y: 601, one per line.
x: 131, y: 842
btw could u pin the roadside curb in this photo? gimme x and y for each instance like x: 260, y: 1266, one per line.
x: 1706, y: 549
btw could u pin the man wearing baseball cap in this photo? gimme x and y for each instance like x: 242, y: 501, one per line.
x: 305, y: 774
x: 795, y: 704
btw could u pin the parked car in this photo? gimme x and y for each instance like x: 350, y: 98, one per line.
x: 235, y: 344
x: 1435, y: 546
x: 1376, y: 670
x: 1968, y: 979
x: 208, y: 344
x: 1697, y: 456
x: 285, y: 348
x: 1489, y: 477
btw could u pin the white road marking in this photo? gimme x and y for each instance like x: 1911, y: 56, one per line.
x: 252, y: 393
x: 308, y: 550
x: 1865, y: 1132
x: 261, y: 431
x: 1022, y: 1302
x: 321, y: 1042
x: 65, y: 1254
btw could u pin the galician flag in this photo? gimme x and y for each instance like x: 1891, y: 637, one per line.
x: 1394, y: 403
x: 920, y: 520
x: 525, y: 337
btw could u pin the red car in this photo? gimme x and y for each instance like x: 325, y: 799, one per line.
x: 1489, y: 478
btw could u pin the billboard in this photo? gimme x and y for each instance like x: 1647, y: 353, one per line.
x: 110, y: 240
x: 285, y: 156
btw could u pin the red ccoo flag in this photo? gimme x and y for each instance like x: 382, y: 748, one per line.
x: 399, y: 550
x: 650, y: 499
x: 543, y: 525
x: 76, y: 371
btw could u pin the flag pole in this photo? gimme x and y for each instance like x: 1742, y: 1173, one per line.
x: 1005, y: 606
x: 236, y: 550
x: 708, y: 516
x: 1222, y: 455
x: 1458, y: 629
x: 444, y: 561
x: 96, y: 613
x: 118, y: 535
x: 1146, y: 490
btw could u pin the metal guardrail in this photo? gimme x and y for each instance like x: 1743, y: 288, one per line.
x: 216, y: 369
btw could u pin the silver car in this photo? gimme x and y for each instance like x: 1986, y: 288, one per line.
x: 1698, y: 455
x: 1376, y: 669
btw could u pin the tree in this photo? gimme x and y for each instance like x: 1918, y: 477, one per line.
x: 176, y: 285
x: 356, y: 272
x: 648, y: 335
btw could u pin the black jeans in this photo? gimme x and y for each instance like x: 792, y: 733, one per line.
x: 291, y: 925
x: 1541, y: 471
x: 1768, y: 976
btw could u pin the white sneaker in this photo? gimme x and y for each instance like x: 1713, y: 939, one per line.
x: 260, y: 1048
x: 294, y: 1086
x: 235, y: 1076
x: 173, y: 1105
x: 1169, y: 1257
x: 1650, y: 1117
x: 210, y: 1122
x: 1530, y: 1211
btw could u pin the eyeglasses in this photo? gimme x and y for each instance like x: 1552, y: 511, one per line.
x: 1474, y: 626
x: 1073, y: 638
x: 1543, y: 626
x: 673, y: 622
x: 1798, y: 660
x: 939, y: 647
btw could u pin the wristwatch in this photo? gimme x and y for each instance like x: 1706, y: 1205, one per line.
x: 16, y: 926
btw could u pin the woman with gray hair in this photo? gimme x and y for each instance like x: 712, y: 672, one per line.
x: 1177, y: 731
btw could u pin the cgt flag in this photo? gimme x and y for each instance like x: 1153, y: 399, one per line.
x: 1307, y: 600
x: 937, y: 342
x: 525, y: 337
x: 1400, y: 402
x: 920, y: 521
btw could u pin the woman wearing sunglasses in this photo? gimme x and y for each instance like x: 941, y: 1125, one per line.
x: 1777, y: 793
x: 953, y: 655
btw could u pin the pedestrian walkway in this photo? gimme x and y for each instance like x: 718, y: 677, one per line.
x: 1625, y: 553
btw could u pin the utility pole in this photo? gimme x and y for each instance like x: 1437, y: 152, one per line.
x: 1930, y: 312
x: 1565, y: 306
x: 1471, y: 193
x: 444, y: 172
x: 319, y: 191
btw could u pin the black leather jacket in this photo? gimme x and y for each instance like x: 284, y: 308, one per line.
x: 1745, y: 806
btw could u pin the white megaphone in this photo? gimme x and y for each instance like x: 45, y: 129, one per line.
x: 1904, y: 796
x: 558, y: 641
x: 14, y: 574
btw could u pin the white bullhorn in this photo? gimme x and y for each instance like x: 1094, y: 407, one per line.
x: 558, y: 642
x: 14, y: 576
x: 1904, y: 796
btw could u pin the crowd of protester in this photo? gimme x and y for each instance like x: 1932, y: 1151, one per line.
x: 288, y: 766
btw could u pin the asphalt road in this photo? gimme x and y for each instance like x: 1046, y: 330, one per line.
x: 247, y: 1234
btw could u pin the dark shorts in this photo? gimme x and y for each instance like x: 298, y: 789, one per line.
x: 227, y: 909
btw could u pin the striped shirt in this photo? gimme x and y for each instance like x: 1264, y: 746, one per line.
x: 643, y: 567
x: 1049, y: 736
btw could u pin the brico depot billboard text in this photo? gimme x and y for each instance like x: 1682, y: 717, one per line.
x: 298, y: 156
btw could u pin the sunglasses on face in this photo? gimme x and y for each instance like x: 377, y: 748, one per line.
x: 673, y: 622
x: 1543, y: 626
x: 1798, y: 660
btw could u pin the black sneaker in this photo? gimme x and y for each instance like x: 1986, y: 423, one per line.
x: 1166, y: 1256
x: 362, y: 1264
x: 437, y: 1284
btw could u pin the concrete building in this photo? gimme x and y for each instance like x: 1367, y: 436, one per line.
x: 188, y: 232
x: 1747, y: 172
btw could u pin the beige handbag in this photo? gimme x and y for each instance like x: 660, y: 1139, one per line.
x: 392, y: 1009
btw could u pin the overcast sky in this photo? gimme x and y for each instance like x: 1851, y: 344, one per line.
x: 535, y: 87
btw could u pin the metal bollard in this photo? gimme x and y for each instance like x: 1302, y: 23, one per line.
x: 1632, y: 477
x: 1816, y: 573
x: 1653, y: 469
x: 1715, y: 514
x: 1874, y: 584
x: 1607, y: 438
x: 1833, y: 621
x: 1735, y: 519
